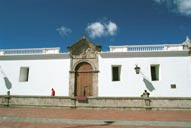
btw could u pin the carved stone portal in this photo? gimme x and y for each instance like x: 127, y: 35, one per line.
x: 83, y: 52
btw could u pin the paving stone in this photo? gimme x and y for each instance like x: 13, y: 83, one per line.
x: 78, y: 118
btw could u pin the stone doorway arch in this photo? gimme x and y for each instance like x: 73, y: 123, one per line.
x: 84, y: 56
x: 83, y: 80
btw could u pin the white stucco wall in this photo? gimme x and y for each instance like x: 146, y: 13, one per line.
x: 44, y: 74
x: 173, y: 70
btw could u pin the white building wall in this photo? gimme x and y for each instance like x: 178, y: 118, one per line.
x: 173, y: 70
x: 43, y: 76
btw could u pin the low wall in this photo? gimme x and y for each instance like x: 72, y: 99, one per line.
x: 154, y: 103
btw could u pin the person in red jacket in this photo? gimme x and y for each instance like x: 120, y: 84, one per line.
x: 53, y: 92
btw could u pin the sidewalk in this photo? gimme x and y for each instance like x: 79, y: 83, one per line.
x: 78, y: 118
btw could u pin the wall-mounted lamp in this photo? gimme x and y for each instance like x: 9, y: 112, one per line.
x: 137, y: 69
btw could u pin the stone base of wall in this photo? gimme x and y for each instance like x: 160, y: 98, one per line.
x: 152, y: 103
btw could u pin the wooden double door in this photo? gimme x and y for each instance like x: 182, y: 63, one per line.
x: 83, y: 79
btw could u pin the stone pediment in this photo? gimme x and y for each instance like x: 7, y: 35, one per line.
x: 84, y: 49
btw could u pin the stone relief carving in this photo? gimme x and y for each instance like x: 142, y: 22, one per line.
x: 88, y: 53
x: 85, y: 54
x: 84, y: 49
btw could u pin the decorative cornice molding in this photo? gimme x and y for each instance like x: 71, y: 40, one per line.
x: 35, y: 57
x: 144, y: 54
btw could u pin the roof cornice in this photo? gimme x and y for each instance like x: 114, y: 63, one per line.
x: 144, y: 54
x: 35, y: 57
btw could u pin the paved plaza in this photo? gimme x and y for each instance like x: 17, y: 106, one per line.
x: 81, y: 118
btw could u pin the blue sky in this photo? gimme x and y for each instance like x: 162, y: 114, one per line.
x: 60, y: 23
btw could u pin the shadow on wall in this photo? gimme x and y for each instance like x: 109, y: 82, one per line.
x: 8, y: 84
x: 147, y: 83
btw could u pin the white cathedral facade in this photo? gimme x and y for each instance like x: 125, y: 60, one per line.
x: 124, y: 71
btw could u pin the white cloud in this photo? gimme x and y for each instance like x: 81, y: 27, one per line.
x: 184, y: 7
x: 159, y: 1
x: 96, y: 29
x: 179, y: 6
x: 64, y: 31
x: 100, y: 29
x: 112, y: 28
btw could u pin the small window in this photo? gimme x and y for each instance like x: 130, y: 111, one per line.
x: 155, y: 72
x: 173, y: 86
x: 116, y: 71
x: 24, y: 74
